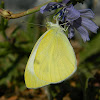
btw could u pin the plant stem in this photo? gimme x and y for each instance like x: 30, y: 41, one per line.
x: 10, y: 15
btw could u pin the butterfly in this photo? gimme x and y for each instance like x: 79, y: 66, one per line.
x: 52, y: 59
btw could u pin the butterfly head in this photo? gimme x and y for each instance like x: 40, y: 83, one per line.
x: 50, y: 25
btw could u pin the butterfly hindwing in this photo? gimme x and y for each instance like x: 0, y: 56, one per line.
x: 55, y: 59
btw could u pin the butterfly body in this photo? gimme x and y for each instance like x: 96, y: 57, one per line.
x: 52, y: 59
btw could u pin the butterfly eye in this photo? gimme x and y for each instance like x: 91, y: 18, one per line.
x: 48, y: 24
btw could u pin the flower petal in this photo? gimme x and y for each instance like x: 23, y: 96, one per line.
x: 89, y: 25
x: 83, y: 32
x: 65, y: 1
x: 72, y: 14
x: 77, y: 22
x: 42, y: 9
x: 70, y: 32
x: 87, y: 13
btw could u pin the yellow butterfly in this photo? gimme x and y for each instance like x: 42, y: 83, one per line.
x: 52, y: 60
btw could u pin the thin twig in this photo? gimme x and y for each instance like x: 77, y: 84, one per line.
x: 9, y: 15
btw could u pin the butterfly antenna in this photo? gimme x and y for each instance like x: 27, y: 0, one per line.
x: 33, y: 24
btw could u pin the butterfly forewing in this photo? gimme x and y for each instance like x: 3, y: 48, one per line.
x: 31, y: 80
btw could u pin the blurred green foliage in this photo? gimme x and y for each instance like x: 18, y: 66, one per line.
x: 15, y: 49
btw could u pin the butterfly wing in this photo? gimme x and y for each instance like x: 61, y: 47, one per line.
x: 31, y: 79
x: 55, y: 59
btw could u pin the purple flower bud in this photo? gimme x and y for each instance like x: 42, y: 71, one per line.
x: 53, y: 5
x: 50, y: 6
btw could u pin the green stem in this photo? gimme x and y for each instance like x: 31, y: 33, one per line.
x: 2, y: 21
x: 3, y: 28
